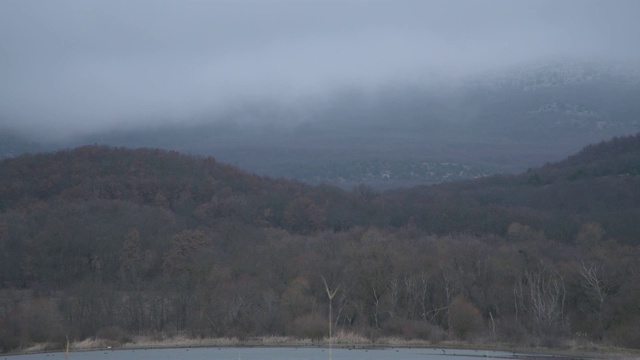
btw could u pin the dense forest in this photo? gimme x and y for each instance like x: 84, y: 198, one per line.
x: 115, y: 242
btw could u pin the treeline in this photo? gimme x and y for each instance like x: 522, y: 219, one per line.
x: 112, y: 242
x: 244, y: 281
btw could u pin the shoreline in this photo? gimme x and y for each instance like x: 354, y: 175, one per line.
x: 348, y: 341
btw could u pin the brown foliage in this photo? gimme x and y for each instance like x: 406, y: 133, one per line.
x: 308, y: 326
x: 80, y: 227
x: 465, y: 319
x: 181, y: 259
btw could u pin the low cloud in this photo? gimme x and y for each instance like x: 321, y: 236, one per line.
x: 80, y: 66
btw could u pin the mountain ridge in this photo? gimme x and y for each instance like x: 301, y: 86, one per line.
x: 186, y: 183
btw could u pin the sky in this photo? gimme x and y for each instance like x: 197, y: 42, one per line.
x: 77, y: 66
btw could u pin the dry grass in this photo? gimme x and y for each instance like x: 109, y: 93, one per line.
x: 281, y: 341
x: 179, y: 341
x: 183, y: 341
x: 88, y: 344
x: 341, y: 338
x: 349, y: 338
x: 38, y: 348
x: 394, y: 341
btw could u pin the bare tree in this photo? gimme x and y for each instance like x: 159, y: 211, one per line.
x: 547, y: 295
x: 449, y: 292
x: 593, y: 281
x: 394, y: 295
x: 331, y: 294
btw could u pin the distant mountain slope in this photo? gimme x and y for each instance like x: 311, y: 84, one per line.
x: 400, y: 135
x: 560, y: 101
x: 599, y: 184
x: 13, y: 144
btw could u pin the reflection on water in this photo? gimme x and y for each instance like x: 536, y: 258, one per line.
x: 286, y: 353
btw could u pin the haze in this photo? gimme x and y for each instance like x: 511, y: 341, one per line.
x: 75, y: 67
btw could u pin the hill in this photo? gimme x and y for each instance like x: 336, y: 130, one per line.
x: 600, y: 183
x: 198, y: 188
x: 597, y: 184
x: 113, y: 242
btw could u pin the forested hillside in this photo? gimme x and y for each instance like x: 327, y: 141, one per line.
x: 599, y: 184
x: 114, y: 242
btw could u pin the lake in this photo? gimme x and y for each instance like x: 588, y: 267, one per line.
x: 281, y: 353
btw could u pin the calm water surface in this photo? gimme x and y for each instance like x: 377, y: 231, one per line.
x: 269, y: 353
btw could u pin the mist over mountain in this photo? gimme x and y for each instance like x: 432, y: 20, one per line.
x: 402, y: 135
x: 384, y: 93
x: 408, y: 154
